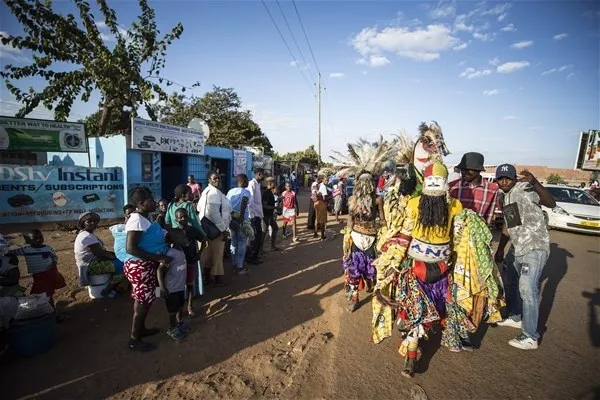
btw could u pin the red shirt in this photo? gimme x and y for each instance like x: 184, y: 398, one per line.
x: 482, y: 198
x: 289, y: 199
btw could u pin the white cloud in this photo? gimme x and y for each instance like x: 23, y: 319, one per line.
x: 484, y: 37
x: 271, y: 121
x: 106, y: 35
x: 494, y: 61
x: 293, y: 63
x: 463, y: 62
x: 336, y: 75
x: 509, y: 28
x: 419, y: 44
x: 461, y: 26
x: 443, y: 11
x: 299, y: 65
x: 510, y: 117
x: 498, y: 10
x: 560, y: 69
x: 522, y: 44
x: 374, y: 61
x: 501, y: 17
x: 512, y: 66
x: 471, y: 73
x: 561, y: 36
x: 571, y: 76
x: 460, y: 47
x: 491, y: 92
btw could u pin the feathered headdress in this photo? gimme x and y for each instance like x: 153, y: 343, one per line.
x: 365, y: 157
x: 404, y: 149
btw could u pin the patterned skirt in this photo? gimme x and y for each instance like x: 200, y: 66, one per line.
x: 142, y: 276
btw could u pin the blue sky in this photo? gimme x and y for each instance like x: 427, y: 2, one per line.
x: 515, y: 81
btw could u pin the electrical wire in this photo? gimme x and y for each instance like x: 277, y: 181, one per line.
x: 287, y: 46
x: 306, y: 37
x: 291, y: 33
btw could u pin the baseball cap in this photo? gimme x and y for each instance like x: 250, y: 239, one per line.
x: 506, y: 171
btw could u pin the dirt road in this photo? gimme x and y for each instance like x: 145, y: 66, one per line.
x: 282, y: 332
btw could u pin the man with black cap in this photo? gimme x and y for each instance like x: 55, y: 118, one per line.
x: 472, y: 190
x: 525, y: 226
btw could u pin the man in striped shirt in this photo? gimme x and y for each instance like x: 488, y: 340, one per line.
x: 472, y: 190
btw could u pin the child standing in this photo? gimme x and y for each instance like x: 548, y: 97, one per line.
x: 127, y: 210
x: 192, y: 255
x: 337, y: 201
x: 290, y: 210
x: 41, y: 263
x: 162, y: 212
x: 171, y: 278
x: 320, y: 216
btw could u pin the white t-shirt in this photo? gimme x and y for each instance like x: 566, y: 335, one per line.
x: 83, y: 254
x: 137, y: 222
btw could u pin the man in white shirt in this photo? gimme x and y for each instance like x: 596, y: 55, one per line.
x: 256, y: 214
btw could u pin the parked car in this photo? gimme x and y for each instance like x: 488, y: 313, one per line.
x: 576, y: 210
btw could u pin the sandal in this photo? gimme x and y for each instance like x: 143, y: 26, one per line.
x: 191, y: 312
x: 138, y: 345
x: 176, y: 333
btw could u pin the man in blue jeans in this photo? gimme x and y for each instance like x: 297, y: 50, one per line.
x: 525, y: 226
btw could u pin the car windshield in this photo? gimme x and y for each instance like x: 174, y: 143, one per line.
x: 570, y: 195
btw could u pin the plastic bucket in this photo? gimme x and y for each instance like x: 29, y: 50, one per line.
x: 97, y: 284
x: 32, y: 337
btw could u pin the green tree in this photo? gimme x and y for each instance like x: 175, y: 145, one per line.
x: 221, y: 108
x: 127, y: 76
x: 555, y: 179
x: 307, y: 156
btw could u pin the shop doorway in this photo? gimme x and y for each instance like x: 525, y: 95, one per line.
x: 173, y: 173
x: 222, y: 166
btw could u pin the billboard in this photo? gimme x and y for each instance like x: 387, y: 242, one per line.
x: 240, y: 158
x: 154, y: 136
x: 588, y: 152
x: 57, y: 194
x: 40, y: 135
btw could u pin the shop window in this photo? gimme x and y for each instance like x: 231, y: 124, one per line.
x: 147, y: 175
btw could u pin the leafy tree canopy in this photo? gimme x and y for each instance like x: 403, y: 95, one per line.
x: 307, y: 156
x: 221, y: 108
x: 71, y: 55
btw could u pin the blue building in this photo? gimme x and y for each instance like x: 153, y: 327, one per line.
x: 160, y: 171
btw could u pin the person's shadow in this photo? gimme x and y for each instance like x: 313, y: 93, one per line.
x: 593, y: 324
x: 554, y: 271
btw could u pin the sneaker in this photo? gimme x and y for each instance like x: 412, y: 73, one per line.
x: 242, y: 271
x: 185, y: 328
x: 510, y: 323
x: 176, y: 333
x: 524, y: 342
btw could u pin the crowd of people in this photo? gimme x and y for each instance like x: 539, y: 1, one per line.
x: 422, y: 244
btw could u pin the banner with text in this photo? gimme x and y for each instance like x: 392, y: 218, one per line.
x: 55, y: 194
x: 41, y: 135
x: 154, y: 136
x: 240, y: 158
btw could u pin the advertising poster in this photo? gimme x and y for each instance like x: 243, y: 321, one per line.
x: 154, y: 136
x: 591, y: 159
x: 56, y: 194
x: 41, y: 135
x: 240, y: 158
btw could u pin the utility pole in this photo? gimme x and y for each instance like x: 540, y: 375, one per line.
x: 319, y: 115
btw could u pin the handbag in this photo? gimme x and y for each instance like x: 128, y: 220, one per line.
x: 209, y: 227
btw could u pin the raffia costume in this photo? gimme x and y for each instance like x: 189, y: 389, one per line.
x: 443, y: 275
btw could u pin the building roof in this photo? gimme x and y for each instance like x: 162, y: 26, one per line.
x: 542, y: 173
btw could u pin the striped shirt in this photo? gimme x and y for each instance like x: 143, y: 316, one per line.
x: 38, y: 259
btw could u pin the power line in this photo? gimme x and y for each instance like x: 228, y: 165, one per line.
x: 306, y: 37
x: 291, y: 33
x: 286, y: 45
